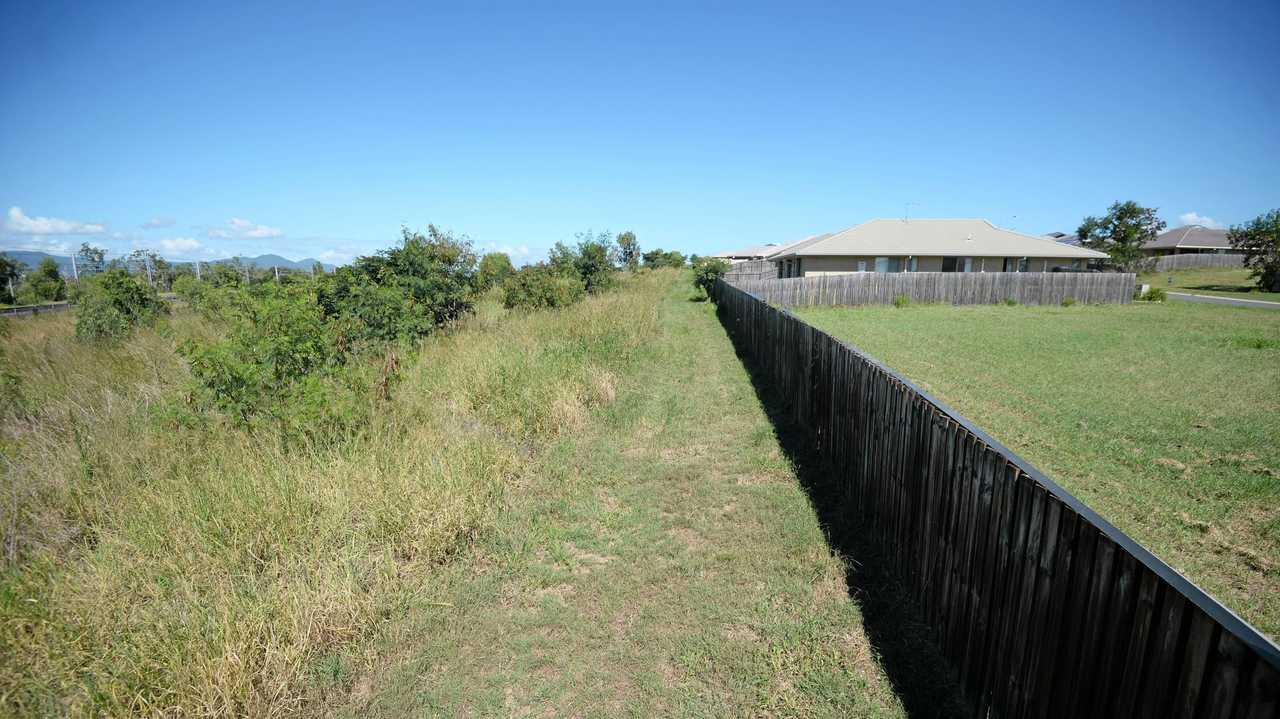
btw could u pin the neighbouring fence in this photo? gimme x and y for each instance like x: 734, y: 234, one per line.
x: 1041, y: 606
x: 19, y: 310
x: 751, y: 270
x: 1169, y: 263
x: 958, y: 288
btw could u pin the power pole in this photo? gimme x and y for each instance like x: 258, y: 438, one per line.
x: 277, y: 271
x: 146, y: 262
x: 75, y: 272
x: 197, y: 269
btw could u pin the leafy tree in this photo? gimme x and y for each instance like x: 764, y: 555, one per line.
x: 278, y: 335
x: 436, y: 271
x: 1259, y: 241
x: 542, y: 286
x: 112, y: 303
x: 662, y: 258
x: 10, y: 274
x: 1122, y: 232
x: 46, y: 282
x: 90, y: 260
x: 592, y: 260
x: 706, y: 270
x: 628, y: 250
x: 495, y: 267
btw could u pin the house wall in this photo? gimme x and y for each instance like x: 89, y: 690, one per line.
x: 818, y: 266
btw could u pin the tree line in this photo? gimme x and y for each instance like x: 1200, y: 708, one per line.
x: 1128, y: 227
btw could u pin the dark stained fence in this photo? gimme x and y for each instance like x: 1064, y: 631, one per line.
x: 1042, y: 607
x: 751, y: 270
x: 958, y: 288
x: 1169, y: 263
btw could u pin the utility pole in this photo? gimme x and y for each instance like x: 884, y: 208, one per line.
x: 197, y: 269
x: 277, y: 271
x: 146, y: 262
x: 75, y: 272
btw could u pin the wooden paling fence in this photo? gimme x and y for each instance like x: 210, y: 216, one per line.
x: 1040, y: 605
x: 959, y: 288
x: 1170, y: 263
x: 751, y: 270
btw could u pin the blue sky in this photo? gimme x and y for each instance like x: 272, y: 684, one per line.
x: 311, y: 129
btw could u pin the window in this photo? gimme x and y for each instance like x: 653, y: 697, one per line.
x: 888, y: 264
x: 1024, y: 265
x: 912, y: 264
x: 779, y: 264
x: 957, y: 264
x: 1010, y: 264
x: 862, y: 265
x: 799, y: 269
x: 949, y: 264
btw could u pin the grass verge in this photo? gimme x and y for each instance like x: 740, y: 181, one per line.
x: 663, y: 561
x: 162, y: 567
x: 1164, y: 418
x: 1210, y: 281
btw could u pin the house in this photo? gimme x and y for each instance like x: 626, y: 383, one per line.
x: 757, y: 252
x: 1188, y: 240
x: 924, y: 245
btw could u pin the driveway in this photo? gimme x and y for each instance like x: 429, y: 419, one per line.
x: 1214, y: 299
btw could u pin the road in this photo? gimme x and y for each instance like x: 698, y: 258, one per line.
x: 1215, y: 300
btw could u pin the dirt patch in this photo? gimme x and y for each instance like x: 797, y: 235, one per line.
x: 559, y: 591
x: 740, y: 633
x: 1171, y: 464
x: 689, y: 537
x: 758, y: 478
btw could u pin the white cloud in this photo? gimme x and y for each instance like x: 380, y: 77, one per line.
x: 1195, y: 218
x: 248, y: 230
x: 158, y: 222
x: 19, y: 223
x: 37, y: 244
x: 179, y: 245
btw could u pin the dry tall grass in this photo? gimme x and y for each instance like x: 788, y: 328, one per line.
x: 156, y: 567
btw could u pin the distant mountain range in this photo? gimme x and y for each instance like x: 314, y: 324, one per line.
x: 31, y: 259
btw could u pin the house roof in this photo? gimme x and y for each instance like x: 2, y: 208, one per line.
x: 1190, y: 236
x: 956, y: 238
x: 1064, y: 238
x: 751, y: 251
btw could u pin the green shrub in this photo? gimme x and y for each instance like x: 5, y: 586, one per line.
x: 276, y: 337
x: 654, y: 259
x: 111, y: 304
x: 901, y: 301
x: 541, y: 286
x: 1067, y: 302
x: 1010, y: 302
x: 495, y: 268
x: 706, y: 270
x: 1155, y: 294
x: 46, y: 282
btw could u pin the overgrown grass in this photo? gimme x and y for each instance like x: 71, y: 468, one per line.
x: 661, y: 560
x: 161, y: 561
x: 1163, y: 418
x: 1210, y: 281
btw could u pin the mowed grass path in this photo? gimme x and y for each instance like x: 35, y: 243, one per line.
x: 1164, y: 418
x: 662, y: 562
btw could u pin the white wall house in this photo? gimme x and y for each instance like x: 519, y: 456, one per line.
x: 927, y: 245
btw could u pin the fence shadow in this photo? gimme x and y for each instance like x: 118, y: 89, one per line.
x: 905, y: 645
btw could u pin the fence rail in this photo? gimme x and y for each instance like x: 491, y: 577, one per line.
x: 751, y: 270
x: 959, y: 288
x: 20, y: 310
x: 1169, y: 263
x: 1041, y: 606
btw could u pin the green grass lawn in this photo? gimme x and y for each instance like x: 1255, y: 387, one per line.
x: 1165, y: 418
x: 1210, y: 281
